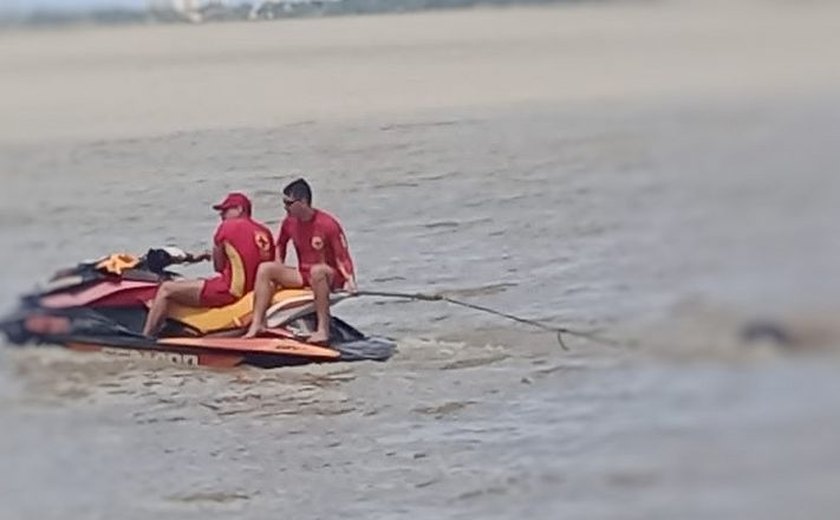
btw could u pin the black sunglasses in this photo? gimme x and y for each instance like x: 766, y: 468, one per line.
x: 289, y: 202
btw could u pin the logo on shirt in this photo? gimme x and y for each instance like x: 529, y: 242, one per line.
x: 263, y: 242
x: 317, y: 243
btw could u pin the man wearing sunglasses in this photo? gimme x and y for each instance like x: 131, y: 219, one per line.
x: 324, y: 262
x: 240, y: 245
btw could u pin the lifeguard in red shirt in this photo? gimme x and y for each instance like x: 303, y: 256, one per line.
x: 240, y: 245
x: 324, y: 262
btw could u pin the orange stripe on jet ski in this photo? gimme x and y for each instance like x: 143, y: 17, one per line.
x: 218, y: 360
x: 84, y: 347
x: 237, y: 271
x: 255, y: 345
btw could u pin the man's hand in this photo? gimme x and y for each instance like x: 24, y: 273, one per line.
x: 350, y: 286
x: 202, y: 257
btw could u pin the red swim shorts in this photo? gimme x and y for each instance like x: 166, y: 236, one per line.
x: 216, y: 293
x: 338, y: 280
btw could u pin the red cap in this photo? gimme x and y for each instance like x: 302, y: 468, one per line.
x: 233, y: 200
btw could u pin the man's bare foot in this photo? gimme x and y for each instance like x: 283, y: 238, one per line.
x: 318, y: 338
x: 253, y: 332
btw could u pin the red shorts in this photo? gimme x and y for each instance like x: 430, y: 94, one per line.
x: 337, y: 282
x: 216, y: 293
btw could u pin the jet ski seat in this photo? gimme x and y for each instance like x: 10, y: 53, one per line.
x: 238, y: 314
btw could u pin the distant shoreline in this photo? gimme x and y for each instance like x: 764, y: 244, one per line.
x: 51, y: 19
x: 272, y: 10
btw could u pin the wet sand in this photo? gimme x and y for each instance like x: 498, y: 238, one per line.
x: 664, y: 172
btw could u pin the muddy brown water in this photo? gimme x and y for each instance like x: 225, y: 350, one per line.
x: 669, y: 224
x: 613, y: 223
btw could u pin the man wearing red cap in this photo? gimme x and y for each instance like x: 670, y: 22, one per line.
x: 239, y: 246
x: 324, y: 262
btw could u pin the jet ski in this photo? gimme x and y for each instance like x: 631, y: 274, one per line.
x: 101, y: 305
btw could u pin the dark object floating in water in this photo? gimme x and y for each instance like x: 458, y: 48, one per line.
x: 766, y: 331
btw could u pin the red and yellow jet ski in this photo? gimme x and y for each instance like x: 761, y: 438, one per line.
x: 101, y: 306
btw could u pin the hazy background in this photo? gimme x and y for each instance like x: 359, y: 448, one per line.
x: 664, y: 172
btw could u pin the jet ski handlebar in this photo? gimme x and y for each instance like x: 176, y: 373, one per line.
x: 193, y: 258
x: 158, y: 259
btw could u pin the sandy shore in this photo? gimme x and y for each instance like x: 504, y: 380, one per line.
x: 100, y: 83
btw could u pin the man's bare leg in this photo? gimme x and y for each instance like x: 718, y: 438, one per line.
x: 185, y: 292
x: 321, y: 277
x: 269, y: 276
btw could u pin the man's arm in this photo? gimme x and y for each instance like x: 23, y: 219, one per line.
x: 219, y: 258
x: 338, y: 243
x: 282, y: 241
x: 218, y: 254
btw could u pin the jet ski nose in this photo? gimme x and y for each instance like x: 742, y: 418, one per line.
x: 14, y: 331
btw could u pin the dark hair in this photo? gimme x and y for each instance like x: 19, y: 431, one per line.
x: 299, y: 190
